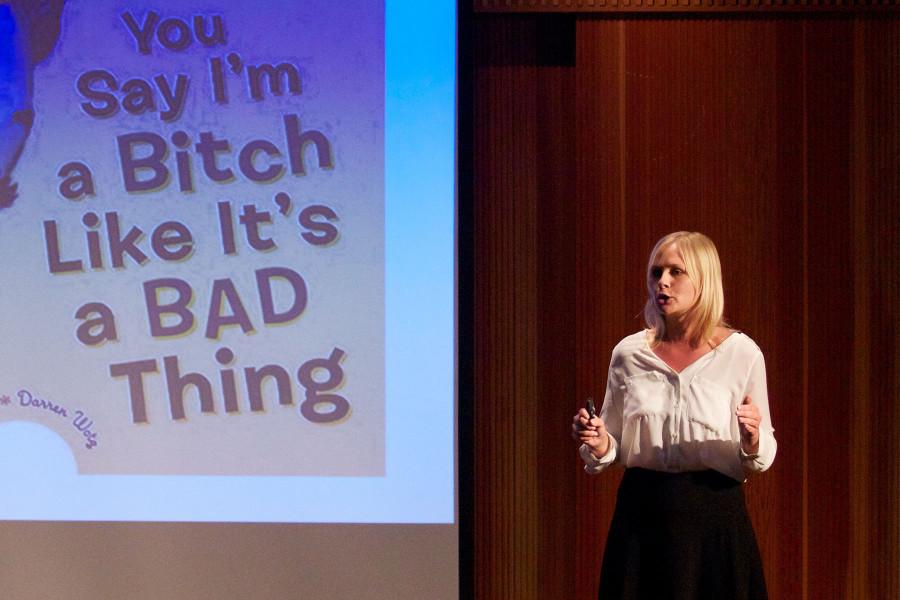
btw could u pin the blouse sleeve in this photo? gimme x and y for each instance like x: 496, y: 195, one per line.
x: 756, y: 389
x: 611, y: 413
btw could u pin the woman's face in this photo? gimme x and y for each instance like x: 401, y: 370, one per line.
x: 674, y: 291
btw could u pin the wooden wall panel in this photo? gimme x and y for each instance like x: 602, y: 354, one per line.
x: 524, y: 362
x: 780, y: 138
x: 875, y: 555
x: 829, y: 235
x: 778, y: 281
x: 600, y: 242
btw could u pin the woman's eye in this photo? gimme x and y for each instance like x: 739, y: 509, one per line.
x: 655, y: 272
x: 677, y: 271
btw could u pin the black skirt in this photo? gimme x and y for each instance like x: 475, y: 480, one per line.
x: 681, y: 536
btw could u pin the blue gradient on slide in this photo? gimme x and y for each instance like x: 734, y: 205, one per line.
x: 420, y: 163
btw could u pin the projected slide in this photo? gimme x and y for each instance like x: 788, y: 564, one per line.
x: 194, y: 241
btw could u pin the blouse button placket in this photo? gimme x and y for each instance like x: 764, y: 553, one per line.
x: 675, y: 382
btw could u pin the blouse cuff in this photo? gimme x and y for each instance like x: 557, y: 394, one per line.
x: 592, y: 464
x: 764, y: 456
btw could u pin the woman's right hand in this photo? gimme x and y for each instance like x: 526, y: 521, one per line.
x: 591, y: 432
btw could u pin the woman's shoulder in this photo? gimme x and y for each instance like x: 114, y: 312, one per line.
x: 739, y: 342
x: 632, y: 343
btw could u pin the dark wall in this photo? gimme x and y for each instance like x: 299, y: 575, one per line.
x: 776, y: 135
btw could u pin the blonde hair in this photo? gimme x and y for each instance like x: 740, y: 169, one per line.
x: 701, y: 260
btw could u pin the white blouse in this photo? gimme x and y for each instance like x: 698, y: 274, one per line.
x: 666, y: 421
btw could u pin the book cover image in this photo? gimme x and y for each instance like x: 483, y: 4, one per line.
x: 192, y: 234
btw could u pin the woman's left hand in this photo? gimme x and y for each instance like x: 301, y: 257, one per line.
x: 749, y: 420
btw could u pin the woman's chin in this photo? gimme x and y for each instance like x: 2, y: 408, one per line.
x: 672, y: 312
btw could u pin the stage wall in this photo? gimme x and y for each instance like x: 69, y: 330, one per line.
x: 775, y: 134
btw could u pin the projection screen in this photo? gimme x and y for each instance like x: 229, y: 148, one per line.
x: 228, y: 298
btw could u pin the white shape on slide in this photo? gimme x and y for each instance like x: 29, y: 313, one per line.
x: 32, y: 457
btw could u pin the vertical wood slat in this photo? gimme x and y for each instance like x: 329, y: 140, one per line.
x: 781, y: 539
x: 858, y: 425
x: 818, y: 104
x: 804, y: 374
x: 600, y: 163
x: 502, y: 484
x: 880, y: 71
x: 555, y: 250
x: 524, y: 368
x: 829, y: 45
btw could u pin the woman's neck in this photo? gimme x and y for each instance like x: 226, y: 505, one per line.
x: 680, y: 333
